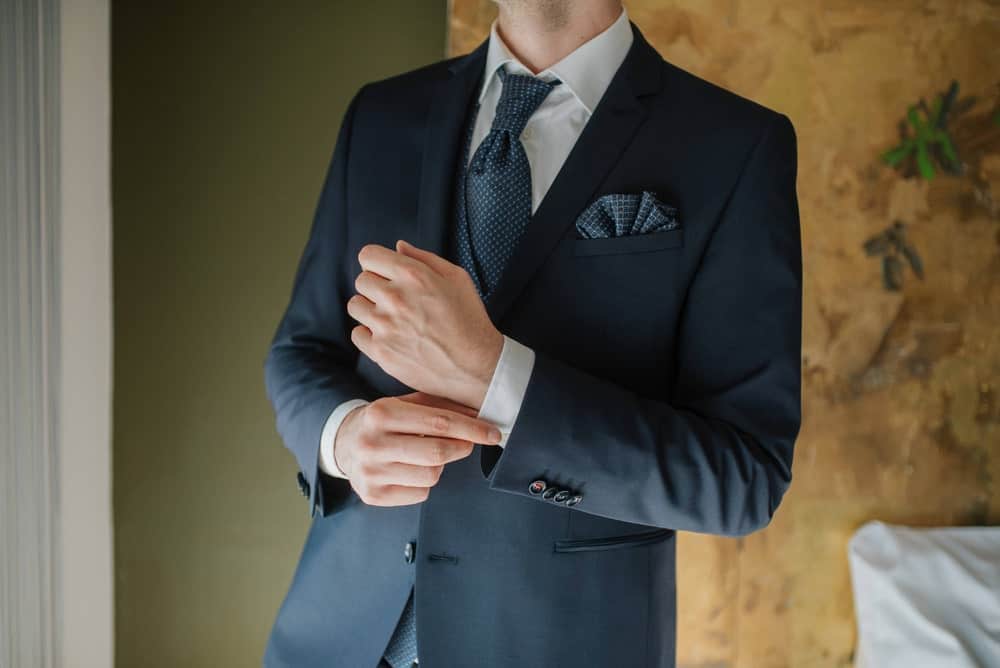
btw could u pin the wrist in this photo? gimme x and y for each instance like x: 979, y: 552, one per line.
x: 341, y: 453
x: 483, y: 375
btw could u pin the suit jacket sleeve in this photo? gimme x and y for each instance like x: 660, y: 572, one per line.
x: 717, y: 457
x: 309, y: 368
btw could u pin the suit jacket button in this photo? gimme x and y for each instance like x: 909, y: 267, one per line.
x: 408, y: 552
x: 549, y: 493
x: 303, y: 484
x: 575, y: 499
x: 537, y: 487
x: 561, y: 496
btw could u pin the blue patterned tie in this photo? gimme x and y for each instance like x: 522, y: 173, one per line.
x: 498, y: 183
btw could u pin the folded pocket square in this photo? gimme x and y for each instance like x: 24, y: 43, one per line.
x: 625, y: 214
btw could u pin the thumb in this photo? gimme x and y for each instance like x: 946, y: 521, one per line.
x: 435, y: 262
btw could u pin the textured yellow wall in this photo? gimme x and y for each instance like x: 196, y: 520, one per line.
x: 901, y: 416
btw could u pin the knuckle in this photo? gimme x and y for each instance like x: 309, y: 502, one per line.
x: 377, y: 412
x: 366, y: 471
x: 411, y: 273
x: 365, y: 445
x: 394, y: 300
x: 439, y: 423
x: 363, y: 489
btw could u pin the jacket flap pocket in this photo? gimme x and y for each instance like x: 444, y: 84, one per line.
x: 612, y: 542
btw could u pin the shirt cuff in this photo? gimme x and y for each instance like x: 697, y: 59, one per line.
x: 505, y: 393
x: 327, y: 463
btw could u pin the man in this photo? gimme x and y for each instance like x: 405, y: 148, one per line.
x: 548, y: 314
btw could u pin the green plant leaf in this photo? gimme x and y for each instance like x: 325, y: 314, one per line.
x: 935, y: 115
x: 924, y: 162
x: 947, y: 148
x: 896, y: 155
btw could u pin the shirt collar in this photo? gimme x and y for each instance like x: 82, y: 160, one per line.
x: 586, y: 72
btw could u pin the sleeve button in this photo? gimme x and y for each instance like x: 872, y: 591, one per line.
x: 561, y: 496
x: 549, y: 493
x: 537, y: 487
x: 575, y: 499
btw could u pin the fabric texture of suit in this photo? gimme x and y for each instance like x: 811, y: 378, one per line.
x: 665, y: 391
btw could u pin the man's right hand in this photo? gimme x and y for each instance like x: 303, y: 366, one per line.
x: 394, y: 449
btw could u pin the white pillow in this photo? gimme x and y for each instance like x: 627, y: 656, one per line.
x: 926, y: 598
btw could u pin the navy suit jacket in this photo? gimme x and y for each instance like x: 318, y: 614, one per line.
x: 665, y: 391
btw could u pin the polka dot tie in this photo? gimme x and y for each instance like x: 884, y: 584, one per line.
x: 497, y: 184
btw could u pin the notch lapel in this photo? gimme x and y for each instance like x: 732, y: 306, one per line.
x: 608, y: 132
x: 451, y: 98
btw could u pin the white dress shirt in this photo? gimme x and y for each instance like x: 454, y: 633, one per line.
x: 547, y: 138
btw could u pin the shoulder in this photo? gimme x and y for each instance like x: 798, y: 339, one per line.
x: 717, y: 115
x: 402, y: 92
x: 718, y: 109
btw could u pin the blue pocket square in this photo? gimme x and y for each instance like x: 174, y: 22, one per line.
x: 625, y: 214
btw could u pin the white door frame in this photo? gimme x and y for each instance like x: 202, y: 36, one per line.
x: 56, y: 561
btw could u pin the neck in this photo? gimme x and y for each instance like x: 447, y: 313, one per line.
x: 540, y: 33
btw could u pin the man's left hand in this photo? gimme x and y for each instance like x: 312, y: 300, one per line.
x: 423, y: 322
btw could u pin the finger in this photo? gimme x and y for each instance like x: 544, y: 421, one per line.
x: 362, y: 309
x: 405, y: 475
x: 420, y: 450
x: 435, y: 262
x: 361, y: 337
x: 395, y: 495
x: 388, y: 263
x: 372, y: 286
x: 409, y: 418
x: 425, y: 399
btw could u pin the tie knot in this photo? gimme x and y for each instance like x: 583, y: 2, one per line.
x: 519, y: 98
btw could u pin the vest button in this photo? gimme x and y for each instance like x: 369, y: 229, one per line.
x: 408, y: 552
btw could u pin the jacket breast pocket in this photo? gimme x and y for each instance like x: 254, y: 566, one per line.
x: 632, y: 243
x: 613, y: 542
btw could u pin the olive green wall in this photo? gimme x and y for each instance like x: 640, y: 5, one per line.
x: 224, y: 120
